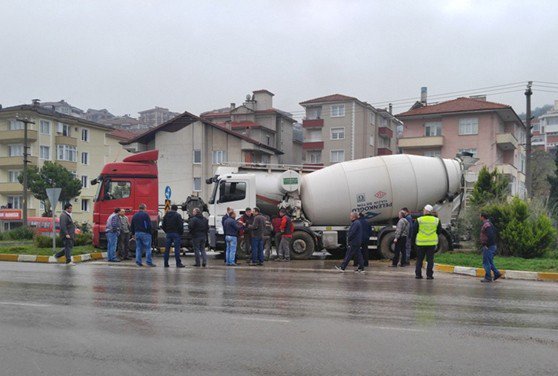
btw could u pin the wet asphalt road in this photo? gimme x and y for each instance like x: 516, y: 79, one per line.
x: 298, y: 319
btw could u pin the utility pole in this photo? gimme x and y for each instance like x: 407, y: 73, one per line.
x: 528, y: 146
x: 26, y: 154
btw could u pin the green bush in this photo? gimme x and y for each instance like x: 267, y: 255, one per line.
x: 20, y: 233
x: 42, y: 241
x: 521, y: 231
x: 84, y: 239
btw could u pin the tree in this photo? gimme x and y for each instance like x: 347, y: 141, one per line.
x: 543, y: 168
x: 553, y: 192
x: 51, y: 175
x: 490, y: 186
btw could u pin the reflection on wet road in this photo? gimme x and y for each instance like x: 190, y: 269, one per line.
x: 281, y: 319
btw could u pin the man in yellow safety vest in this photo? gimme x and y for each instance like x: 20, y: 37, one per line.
x: 428, y: 228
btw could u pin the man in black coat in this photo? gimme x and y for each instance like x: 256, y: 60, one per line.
x: 198, y: 226
x: 173, y: 226
x: 354, y: 240
x: 67, y: 233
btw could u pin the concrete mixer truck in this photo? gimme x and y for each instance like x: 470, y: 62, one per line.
x: 320, y: 201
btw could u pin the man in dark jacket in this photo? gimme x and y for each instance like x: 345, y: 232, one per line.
x: 141, y: 231
x: 231, y: 229
x: 488, y: 242
x: 354, y: 239
x: 67, y: 233
x: 410, y: 235
x: 173, y: 226
x: 366, y: 234
x: 257, y: 229
x: 247, y: 219
x: 223, y: 219
x: 198, y: 226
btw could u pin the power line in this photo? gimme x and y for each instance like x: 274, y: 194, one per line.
x: 546, y: 82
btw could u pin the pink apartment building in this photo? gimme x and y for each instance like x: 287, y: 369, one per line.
x: 492, y: 132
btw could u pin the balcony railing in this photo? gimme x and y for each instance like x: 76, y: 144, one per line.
x: 7, y: 137
x: 16, y: 161
x: 10, y: 188
x: 313, y: 145
x: 313, y: 123
x: 385, y: 132
x: 384, y: 151
x: 421, y: 142
x: 506, y: 141
x: 66, y: 140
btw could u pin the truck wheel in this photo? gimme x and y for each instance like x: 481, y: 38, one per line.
x: 386, y: 245
x: 302, y: 245
x: 443, y: 244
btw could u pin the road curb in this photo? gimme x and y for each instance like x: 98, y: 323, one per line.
x: 50, y: 259
x: 507, y: 274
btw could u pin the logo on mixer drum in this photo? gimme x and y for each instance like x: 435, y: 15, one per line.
x: 380, y: 194
x: 361, y: 197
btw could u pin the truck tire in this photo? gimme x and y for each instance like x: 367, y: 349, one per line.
x: 443, y: 244
x: 302, y: 245
x: 387, y: 246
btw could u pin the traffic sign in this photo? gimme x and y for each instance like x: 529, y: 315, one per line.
x: 167, y: 205
x: 53, y: 195
x: 168, y: 192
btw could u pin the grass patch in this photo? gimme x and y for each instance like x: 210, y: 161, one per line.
x: 472, y: 259
x: 30, y: 249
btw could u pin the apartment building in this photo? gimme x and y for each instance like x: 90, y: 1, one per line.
x: 492, y: 132
x: 155, y: 116
x: 190, y: 150
x: 81, y: 146
x: 339, y: 128
x: 257, y: 119
x: 545, y: 130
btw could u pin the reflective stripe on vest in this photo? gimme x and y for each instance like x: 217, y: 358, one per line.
x: 427, y: 235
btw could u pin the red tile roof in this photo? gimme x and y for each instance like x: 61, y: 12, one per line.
x: 329, y: 98
x: 123, y: 134
x: 455, y: 105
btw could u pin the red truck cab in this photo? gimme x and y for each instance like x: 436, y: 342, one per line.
x: 126, y: 185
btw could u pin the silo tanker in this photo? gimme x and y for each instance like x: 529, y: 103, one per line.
x: 320, y: 201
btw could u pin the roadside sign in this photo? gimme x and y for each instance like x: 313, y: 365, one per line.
x: 167, y: 205
x: 168, y: 192
x: 53, y: 195
x: 10, y: 215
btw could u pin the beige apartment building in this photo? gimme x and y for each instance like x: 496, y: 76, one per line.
x: 191, y: 149
x: 492, y: 132
x: 81, y: 146
x: 257, y: 119
x: 156, y: 116
x: 339, y: 128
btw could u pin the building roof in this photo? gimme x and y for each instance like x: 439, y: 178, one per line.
x: 455, y: 105
x: 263, y: 91
x: 123, y: 134
x: 226, y: 112
x: 156, y: 108
x: 329, y: 98
x: 186, y: 119
x: 52, y: 113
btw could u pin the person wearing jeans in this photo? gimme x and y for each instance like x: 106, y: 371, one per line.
x: 231, y: 228
x: 257, y: 228
x: 488, y: 242
x: 173, y: 226
x: 141, y: 229
x: 112, y: 231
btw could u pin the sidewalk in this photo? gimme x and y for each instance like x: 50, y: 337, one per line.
x: 507, y: 274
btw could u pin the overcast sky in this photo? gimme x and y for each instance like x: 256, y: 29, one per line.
x: 128, y: 56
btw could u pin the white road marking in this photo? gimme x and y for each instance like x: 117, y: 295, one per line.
x: 264, y: 319
x: 394, y: 328
x: 25, y: 304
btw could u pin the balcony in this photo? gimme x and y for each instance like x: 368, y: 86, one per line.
x: 70, y: 166
x: 385, y: 132
x: 506, y: 169
x: 65, y: 140
x: 421, y: 142
x: 313, y: 123
x: 10, y: 162
x: 506, y: 141
x: 7, y: 188
x: 8, y: 137
x: 313, y: 145
x: 384, y: 151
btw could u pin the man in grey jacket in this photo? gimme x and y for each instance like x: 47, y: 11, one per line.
x: 400, y: 241
x: 257, y: 229
x: 67, y: 233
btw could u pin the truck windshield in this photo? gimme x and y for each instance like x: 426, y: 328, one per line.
x: 212, y: 199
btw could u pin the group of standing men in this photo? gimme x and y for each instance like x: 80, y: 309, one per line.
x: 257, y: 232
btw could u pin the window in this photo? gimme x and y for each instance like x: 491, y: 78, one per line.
x: 522, y: 163
x: 44, y: 152
x: 64, y: 129
x: 16, y: 125
x: 85, y: 135
x: 266, y: 159
x: 314, y: 157
x: 15, y: 150
x: 337, y: 133
x: 372, y: 118
x: 433, y: 153
x: 268, y: 140
x: 371, y: 141
x: 197, y: 156
x: 13, y: 175
x: 536, y: 127
x: 383, y: 122
x: 337, y: 110
x: 231, y: 191
x: 114, y: 190
x: 15, y: 202
x: 197, y: 184
x: 85, y: 205
x: 66, y: 153
x: 468, y: 126
x: 313, y: 113
x: 219, y: 156
x: 470, y: 150
x: 432, y: 129
x: 337, y: 156
x: 84, y: 181
x: 384, y: 142
x: 84, y: 158
x: 45, y: 127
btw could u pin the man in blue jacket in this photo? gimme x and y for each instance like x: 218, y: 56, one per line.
x: 231, y: 229
x: 354, y: 240
x: 366, y: 234
x: 141, y: 230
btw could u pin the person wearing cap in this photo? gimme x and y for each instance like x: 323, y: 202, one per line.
x: 428, y: 228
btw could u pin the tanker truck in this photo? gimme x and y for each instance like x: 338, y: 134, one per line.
x: 320, y: 201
